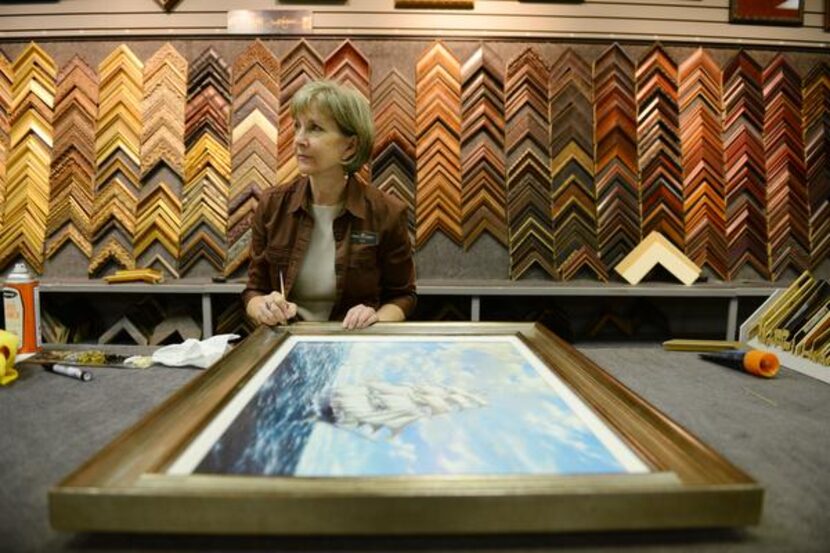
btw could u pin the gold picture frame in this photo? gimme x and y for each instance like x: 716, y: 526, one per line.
x: 126, y: 487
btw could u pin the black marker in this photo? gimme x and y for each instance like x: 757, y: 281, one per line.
x: 72, y: 372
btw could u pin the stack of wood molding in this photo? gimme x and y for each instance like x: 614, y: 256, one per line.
x: 159, y: 208
x: 574, y: 195
x: 618, y: 198
x: 118, y: 160
x: 72, y: 177
x: 438, y: 150
x: 529, y: 195
x: 254, y: 120
x: 393, y: 162
x: 483, y: 185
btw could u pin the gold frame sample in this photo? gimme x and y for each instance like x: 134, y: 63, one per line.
x: 127, y: 487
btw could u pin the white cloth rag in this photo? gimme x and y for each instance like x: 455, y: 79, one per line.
x: 192, y: 352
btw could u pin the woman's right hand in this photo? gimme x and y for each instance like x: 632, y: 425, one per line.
x: 271, y: 310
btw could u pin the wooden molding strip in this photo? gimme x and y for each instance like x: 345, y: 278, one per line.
x: 658, y: 144
x: 158, y: 211
x: 118, y: 155
x: 574, y: 197
x: 26, y: 201
x: 704, y: 195
x: 787, y: 215
x: 393, y: 163
x: 816, y: 110
x: 72, y: 177
x: 6, y: 81
x: 438, y: 146
x: 744, y: 166
x: 618, y: 201
x: 483, y: 183
x: 207, y: 164
x: 255, y: 120
x: 529, y: 197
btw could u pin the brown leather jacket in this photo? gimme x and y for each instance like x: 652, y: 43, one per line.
x: 373, y: 261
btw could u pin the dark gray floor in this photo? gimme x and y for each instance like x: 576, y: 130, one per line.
x: 776, y: 430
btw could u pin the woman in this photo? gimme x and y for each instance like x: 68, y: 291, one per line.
x: 326, y: 247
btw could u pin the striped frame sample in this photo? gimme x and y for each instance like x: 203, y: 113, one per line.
x: 574, y: 197
x: 393, y: 161
x: 159, y: 208
x: 816, y: 110
x: 704, y: 192
x: 618, y: 198
x: 26, y: 201
x: 207, y: 164
x: 72, y: 177
x: 787, y: 215
x: 528, y: 166
x: 744, y: 166
x: 118, y: 159
x: 6, y: 81
x: 438, y: 146
x: 483, y: 186
x: 254, y: 121
x: 658, y: 146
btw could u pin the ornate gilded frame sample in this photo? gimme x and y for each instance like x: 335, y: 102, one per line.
x: 128, y: 485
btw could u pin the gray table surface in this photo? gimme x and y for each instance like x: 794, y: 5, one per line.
x: 776, y: 430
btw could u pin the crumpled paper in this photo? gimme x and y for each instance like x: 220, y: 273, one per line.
x: 194, y: 353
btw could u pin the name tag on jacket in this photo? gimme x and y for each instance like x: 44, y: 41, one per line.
x: 365, y: 237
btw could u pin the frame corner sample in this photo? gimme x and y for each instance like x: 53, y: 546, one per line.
x: 415, y: 428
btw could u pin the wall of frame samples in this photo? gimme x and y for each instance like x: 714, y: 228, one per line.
x: 518, y: 160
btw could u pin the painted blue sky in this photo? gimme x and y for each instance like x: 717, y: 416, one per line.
x: 525, y: 428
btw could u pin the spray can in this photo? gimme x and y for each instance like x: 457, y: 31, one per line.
x: 21, y: 305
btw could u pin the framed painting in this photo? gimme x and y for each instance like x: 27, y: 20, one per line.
x: 767, y: 12
x: 404, y: 429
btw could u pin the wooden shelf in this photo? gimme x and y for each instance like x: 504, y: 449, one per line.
x: 473, y: 289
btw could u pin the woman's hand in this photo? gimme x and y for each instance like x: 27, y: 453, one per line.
x: 271, y: 310
x: 360, y: 316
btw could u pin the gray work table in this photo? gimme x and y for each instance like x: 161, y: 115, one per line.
x: 776, y: 430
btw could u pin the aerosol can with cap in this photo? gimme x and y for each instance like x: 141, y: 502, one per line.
x: 21, y: 306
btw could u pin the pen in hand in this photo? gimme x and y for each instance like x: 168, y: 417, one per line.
x: 285, y: 299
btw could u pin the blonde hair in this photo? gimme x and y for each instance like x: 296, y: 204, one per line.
x: 348, y: 108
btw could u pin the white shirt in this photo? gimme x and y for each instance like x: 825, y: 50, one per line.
x: 315, y: 288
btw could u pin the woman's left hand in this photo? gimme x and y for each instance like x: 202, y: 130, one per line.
x: 360, y: 316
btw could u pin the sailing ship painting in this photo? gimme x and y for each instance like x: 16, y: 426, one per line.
x: 396, y: 405
x: 378, y: 405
